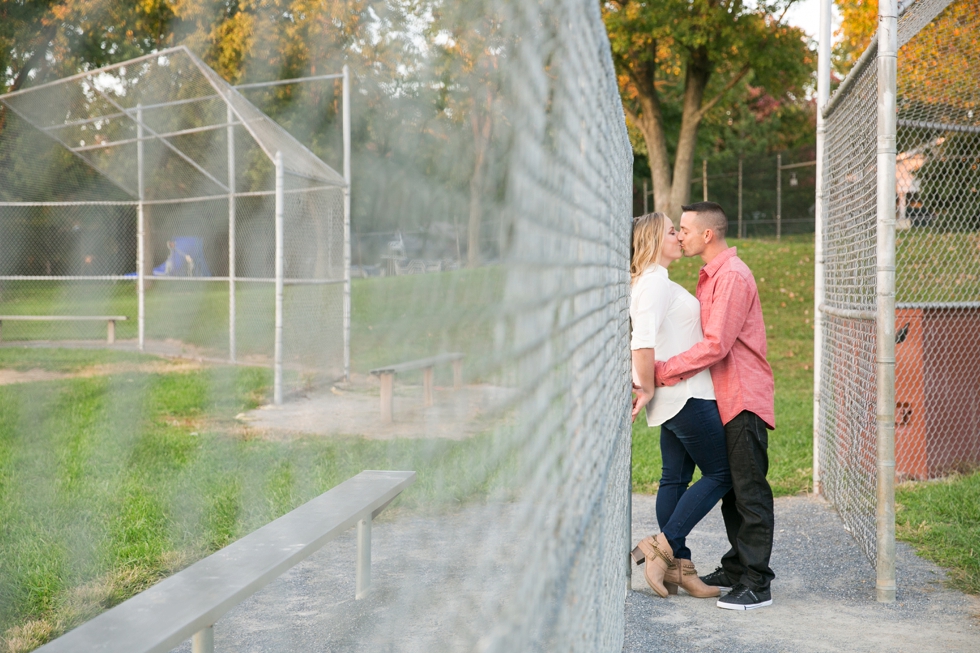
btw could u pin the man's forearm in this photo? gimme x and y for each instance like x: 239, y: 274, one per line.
x: 728, y: 311
x: 693, y: 361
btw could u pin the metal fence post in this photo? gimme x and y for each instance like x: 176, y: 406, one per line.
x: 363, y: 572
x: 704, y: 179
x: 203, y: 641
x: 885, y: 320
x: 280, y: 220
x: 779, y: 196
x: 347, y: 178
x: 230, y: 115
x: 741, y: 234
x: 140, y: 234
x: 823, y: 94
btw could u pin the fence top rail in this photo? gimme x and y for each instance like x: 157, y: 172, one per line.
x: 845, y: 87
x: 849, y: 313
x: 801, y: 164
x: 418, y: 364
x: 160, y: 618
x: 57, y: 318
x: 937, y: 306
x: 174, y: 200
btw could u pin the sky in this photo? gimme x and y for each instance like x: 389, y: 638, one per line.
x: 806, y: 14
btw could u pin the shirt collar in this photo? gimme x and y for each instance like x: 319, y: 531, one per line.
x: 718, y: 261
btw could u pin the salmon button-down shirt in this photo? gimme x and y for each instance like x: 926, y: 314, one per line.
x: 734, y: 344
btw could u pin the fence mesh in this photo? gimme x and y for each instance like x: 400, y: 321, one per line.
x: 937, y: 424
x: 937, y: 386
x: 515, y: 536
x: 763, y: 195
x: 164, y: 137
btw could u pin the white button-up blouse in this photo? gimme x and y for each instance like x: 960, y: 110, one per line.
x: 667, y: 318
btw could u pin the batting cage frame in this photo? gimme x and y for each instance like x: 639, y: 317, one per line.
x: 152, y: 189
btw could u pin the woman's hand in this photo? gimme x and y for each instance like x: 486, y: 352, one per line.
x: 641, y: 397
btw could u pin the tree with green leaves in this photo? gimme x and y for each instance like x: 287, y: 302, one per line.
x: 679, y: 60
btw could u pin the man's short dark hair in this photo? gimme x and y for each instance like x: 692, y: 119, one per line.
x: 710, y: 216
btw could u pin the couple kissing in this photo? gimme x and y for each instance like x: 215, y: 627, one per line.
x: 700, y: 370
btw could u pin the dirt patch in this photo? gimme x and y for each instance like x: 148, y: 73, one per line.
x: 355, y: 409
x: 8, y: 377
x: 162, y: 366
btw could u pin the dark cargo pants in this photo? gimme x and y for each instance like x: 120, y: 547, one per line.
x: 748, y: 508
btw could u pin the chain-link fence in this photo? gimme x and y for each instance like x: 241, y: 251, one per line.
x: 763, y: 195
x: 148, y: 190
x: 937, y: 384
x: 934, y: 249
x: 519, y: 522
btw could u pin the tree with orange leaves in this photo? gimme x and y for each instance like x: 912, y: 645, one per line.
x: 684, y: 58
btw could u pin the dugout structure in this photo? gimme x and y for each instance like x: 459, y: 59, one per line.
x: 898, y: 267
x: 153, y: 189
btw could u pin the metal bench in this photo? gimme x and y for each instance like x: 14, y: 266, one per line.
x: 110, y: 319
x: 187, y: 604
x: 388, y: 373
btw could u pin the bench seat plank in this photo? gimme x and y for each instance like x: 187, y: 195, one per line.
x: 170, y: 612
x: 417, y: 364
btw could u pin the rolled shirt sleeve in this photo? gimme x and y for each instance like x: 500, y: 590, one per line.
x: 651, y: 301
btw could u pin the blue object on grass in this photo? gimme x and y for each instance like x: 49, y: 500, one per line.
x: 186, y: 259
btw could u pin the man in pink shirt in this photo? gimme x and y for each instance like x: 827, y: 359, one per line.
x: 734, y: 349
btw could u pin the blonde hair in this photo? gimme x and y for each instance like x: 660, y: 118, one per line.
x: 648, y: 238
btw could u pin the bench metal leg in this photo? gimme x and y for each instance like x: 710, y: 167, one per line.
x: 457, y: 375
x: 427, y: 386
x: 363, y: 577
x: 112, y: 331
x: 203, y: 641
x: 387, y: 397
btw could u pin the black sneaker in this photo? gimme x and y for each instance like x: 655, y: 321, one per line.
x: 742, y: 598
x: 718, y: 578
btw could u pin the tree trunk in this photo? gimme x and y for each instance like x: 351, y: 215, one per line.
x: 672, y: 188
x: 651, y: 125
x: 481, y: 140
x: 696, y: 79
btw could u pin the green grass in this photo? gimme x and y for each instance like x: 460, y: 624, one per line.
x: 393, y: 319
x: 937, y: 266
x: 110, y: 483
x: 397, y: 319
x: 941, y: 519
x: 784, y: 274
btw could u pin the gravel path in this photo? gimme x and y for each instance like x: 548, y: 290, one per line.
x: 823, y: 596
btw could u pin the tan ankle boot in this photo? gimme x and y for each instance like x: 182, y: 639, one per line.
x: 659, y: 560
x: 687, y: 577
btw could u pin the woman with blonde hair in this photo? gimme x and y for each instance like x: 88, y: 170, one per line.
x: 666, y: 320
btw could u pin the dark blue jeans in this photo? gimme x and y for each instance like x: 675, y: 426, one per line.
x: 694, y: 436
